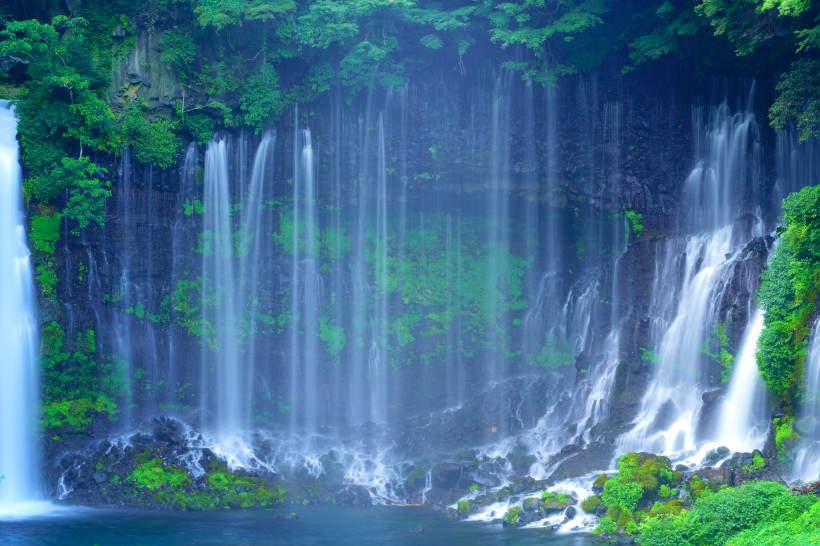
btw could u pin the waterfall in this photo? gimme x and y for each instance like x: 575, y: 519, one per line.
x: 691, y: 277
x: 305, y: 289
x: 807, y: 458
x: 19, y: 402
x: 222, y: 368
x: 743, y: 419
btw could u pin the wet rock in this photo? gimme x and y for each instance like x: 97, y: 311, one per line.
x: 520, y: 459
x: 416, y: 479
x: 99, y: 476
x: 531, y: 504
x: 286, y: 517
x: 570, y: 512
x: 446, y: 475
x: 716, y: 455
x: 354, y: 495
x: 580, y: 461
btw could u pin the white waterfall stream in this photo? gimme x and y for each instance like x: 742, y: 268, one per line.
x: 690, y: 277
x: 807, y: 456
x: 743, y: 420
x: 19, y: 400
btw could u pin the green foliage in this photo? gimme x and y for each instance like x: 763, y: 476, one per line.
x: 186, y: 309
x: 800, y: 531
x: 553, y: 353
x: 721, y: 353
x: 784, y: 437
x: 512, y: 515
x: 540, y: 27
x: 473, y: 488
x: 798, y: 99
x: 635, y: 220
x: 151, y: 142
x: 464, y: 508
x: 717, y: 518
x: 619, y: 491
x: 788, y: 294
x: 45, y: 234
x: 562, y: 498
x: 757, y: 460
x: 88, y: 192
x: 224, y: 13
x: 77, y: 386
x: 648, y: 355
x: 154, y: 476
x: 333, y: 336
x: 179, y: 50
x: 641, y: 479
x: 591, y: 504
x: 172, y: 487
x: 261, y: 98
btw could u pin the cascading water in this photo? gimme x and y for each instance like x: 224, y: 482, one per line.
x: 690, y: 278
x: 742, y: 422
x: 222, y: 369
x: 305, y: 290
x: 19, y: 400
x: 807, y: 457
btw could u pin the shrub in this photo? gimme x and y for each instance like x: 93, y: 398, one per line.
x: 591, y: 504
x: 512, y: 515
x: 714, y: 519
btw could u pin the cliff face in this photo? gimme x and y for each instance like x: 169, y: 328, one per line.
x: 384, y: 260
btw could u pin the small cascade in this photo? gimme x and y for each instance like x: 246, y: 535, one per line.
x: 807, y: 457
x: 726, y: 181
x: 19, y: 400
x: 742, y: 423
x: 670, y: 410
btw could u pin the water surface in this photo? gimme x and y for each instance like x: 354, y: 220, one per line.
x: 315, y: 526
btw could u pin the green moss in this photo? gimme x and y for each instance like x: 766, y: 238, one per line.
x: 591, y: 504
x: 512, y: 515
x: 549, y: 496
x: 78, y: 384
x: 635, y: 220
x: 45, y: 232
x: 464, y: 508
x: 697, y: 487
x: 333, y: 336
x: 784, y: 437
x: 173, y: 487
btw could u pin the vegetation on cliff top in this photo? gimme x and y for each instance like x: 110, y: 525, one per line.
x: 242, y: 62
